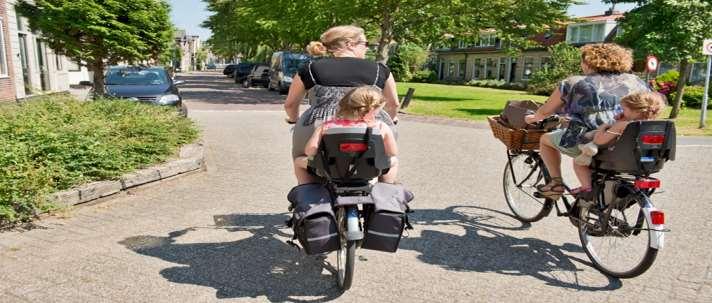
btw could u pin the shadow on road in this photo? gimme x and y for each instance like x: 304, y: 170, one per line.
x: 214, y: 88
x: 259, y: 265
x: 484, y: 248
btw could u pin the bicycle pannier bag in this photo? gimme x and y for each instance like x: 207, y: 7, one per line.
x: 514, y: 112
x: 385, y: 224
x: 313, y: 219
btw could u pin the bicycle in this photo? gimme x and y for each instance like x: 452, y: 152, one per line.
x: 620, y: 231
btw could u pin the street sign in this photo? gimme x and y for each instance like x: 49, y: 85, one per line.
x: 651, y: 63
x: 707, y: 47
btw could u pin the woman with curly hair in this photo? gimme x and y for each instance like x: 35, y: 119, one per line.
x: 588, y: 101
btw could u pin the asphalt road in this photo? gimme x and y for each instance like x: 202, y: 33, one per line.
x: 219, y: 235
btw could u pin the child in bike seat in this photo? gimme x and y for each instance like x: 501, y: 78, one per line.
x: 636, y: 106
x: 358, y: 108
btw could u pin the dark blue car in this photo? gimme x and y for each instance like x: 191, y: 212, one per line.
x: 144, y: 84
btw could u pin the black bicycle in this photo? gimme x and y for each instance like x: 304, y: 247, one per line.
x: 620, y: 230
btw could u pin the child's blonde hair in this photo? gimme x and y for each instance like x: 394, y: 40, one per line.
x: 359, y: 102
x: 649, y: 104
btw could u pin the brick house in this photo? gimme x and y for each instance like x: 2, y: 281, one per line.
x: 7, y: 80
x: 486, y: 58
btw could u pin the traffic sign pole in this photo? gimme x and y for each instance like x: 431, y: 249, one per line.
x: 705, y: 96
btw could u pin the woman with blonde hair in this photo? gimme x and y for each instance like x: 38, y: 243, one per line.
x: 588, y: 101
x: 341, y: 68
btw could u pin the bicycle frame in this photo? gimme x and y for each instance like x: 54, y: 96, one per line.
x: 539, y: 163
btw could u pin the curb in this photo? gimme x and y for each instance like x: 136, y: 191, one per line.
x: 191, y: 158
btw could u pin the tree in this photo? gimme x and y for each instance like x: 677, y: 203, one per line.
x: 565, y: 62
x: 283, y: 24
x: 673, y: 30
x: 101, y: 32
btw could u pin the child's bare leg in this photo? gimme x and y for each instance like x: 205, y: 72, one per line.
x: 300, y: 171
x: 583, y: 173
x: 392, y: 174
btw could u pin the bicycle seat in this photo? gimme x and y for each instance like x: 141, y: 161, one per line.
x: 641, y: 150
x: 350, y: 157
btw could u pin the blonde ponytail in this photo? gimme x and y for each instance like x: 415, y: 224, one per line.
x: 316, y: 49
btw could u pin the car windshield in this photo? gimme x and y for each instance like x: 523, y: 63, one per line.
x: 134, y: 76
x: 293, y: 62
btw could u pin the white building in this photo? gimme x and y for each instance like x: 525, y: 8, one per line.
x: 36, y: 67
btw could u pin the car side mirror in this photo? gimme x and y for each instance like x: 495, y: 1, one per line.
x: 178, y: 82
x: 86, y: 83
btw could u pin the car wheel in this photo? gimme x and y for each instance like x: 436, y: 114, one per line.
x: 247, y: 83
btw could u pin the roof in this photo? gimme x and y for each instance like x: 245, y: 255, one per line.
x: 611, y: 17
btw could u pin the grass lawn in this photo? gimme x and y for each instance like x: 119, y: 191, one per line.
x: 476, y: 103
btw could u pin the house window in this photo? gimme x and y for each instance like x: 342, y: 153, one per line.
x: 486, y: 40
x: 476, y: 69
x: 462, y: 68
x: 73, y: 66
x: 451, y: 70
x: 502, y: 70
x: 528, y: 68
x: 545, y: 63
x: 586, y: 33
x: 491, y: 68
x: 3, y: 57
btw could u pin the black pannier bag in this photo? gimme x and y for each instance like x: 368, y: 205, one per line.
x: 313, y: 219
x: 389, y: 216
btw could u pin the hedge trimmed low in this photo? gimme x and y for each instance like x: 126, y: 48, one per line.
x: 55, y: 142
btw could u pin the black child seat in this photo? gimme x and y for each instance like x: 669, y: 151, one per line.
x: 350, y: 157
x: 641, y: 150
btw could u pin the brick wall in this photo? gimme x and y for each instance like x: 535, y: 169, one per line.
x: 7, y: 82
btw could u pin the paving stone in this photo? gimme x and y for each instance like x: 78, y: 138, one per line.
x: 140, y: 177
x: 97, y: 190
x: 66, y: 198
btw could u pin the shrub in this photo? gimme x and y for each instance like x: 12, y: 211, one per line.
x: 407, y: 59
x: 693, y: 95
x: 424, y: 76
x: 54, y: 143
x: 669, y: 76
x: 666, y: 83
x: 565, y: 62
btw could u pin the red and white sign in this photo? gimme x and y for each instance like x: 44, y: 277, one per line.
x: 651, y: 64
x: 707, y: 47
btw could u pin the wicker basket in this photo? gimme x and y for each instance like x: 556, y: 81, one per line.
x: 515, y: 139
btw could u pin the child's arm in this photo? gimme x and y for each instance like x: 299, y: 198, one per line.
x: 606, y: 134
x: 389, y: 141
x: 313, y: 144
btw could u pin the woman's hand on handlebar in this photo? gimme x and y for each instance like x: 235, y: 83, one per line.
x: 531, y: 119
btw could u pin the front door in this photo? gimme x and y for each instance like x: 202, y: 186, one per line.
x: 25, y: 64
x: 42, y: 63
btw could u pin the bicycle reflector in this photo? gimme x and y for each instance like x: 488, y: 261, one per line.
x: 647, y: 183
x: 652, y: 139
x: 657, y: 217
x: 353, y: 147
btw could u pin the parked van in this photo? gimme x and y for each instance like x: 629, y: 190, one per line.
x: 283, y: 67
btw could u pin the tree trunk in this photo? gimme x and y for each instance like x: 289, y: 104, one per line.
x: 384, y: 43
x: 98, y: 69
x: 684, y: 70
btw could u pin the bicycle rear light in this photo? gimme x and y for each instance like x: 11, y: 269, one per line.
x: 652, y: 139
x: 353, y: 147
x: 647, y: 183
x: 657, y: 217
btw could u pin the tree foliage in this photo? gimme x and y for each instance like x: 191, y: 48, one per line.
x: 101, y: 32
x: 241, y: 26
x: 565, y: 62
x: 673, y: 30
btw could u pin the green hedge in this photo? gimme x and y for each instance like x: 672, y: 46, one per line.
x: 54, y: 143
x: 692, y: 97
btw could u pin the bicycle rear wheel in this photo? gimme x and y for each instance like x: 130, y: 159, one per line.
x: 617, y: 239
x: 521, y: 176
x: 345, y: 255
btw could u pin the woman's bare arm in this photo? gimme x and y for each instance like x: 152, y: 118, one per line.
x: 294, y: 98
x: 549, y: 108
x: 391, y: 95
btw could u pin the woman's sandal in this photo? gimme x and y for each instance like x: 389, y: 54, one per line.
x: 552, y: 190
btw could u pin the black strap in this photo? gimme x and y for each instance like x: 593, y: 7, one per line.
x: 352, y: 163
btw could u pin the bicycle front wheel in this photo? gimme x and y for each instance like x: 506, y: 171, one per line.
x: 346, y: 254
x: 617, y: 239
x: 521, y: 176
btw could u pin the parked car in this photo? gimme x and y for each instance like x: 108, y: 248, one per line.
x: 241, y: 71
x: 283, y: 67
x: 211, y: 66
x: 229, y: 70
x: 258, y: 76
x: 143, y: 84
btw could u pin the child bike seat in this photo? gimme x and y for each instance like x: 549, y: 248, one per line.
x: 641, y: 150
